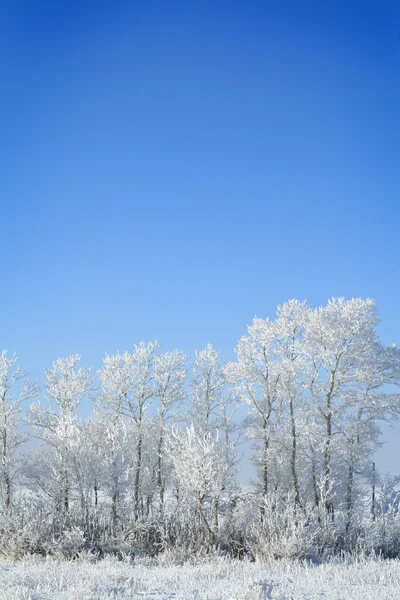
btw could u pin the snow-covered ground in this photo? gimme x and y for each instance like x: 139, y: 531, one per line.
x: 217, y: 579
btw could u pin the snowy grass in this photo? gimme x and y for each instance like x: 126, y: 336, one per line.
x: 217, y: 579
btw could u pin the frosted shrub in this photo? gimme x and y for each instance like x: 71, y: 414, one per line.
x: 382, y: 536
x: 22, y: 534
x: 285, y: 530
x: 72, y: 541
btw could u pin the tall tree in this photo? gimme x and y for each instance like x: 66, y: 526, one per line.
x: 170, y: 375
x: 128, y: 388
x: 339, y: 339
x: 290, y: 326
x: 256, y: 375
x: 66, y: 386
x: 11, y: 434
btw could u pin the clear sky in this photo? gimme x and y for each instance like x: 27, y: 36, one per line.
x: 171, y: 169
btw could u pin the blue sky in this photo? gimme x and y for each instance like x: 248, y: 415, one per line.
x: 171, y: 169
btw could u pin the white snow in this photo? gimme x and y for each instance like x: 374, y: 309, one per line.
x: 217, y: 579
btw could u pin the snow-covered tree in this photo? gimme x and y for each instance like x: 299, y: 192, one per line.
x: 170, y: 375
x: 256, y: 375
x: 204, y: 465
x: 11, y: 433
x: 341, y: 344
x: 128, y: 388
x: 67, y: 384
x: 207, y: 389
x: 290, y: 326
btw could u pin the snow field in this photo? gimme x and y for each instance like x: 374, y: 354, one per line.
x: 218, y: 579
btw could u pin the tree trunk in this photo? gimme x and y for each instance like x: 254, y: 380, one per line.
x: 216, y: 514
x: 148, y: 505
x: 264, y: 470
x: 7, y: 491
x: 293, y: 456
x: 114, y: 501
x: 200, y: 500
x: 137, y: 474
x: 314, y: 478
x: 373, y: 492
x: 327, y: 458
x: 66, y: 493
x: 6, y: 476
x: 349, y: 499
x: 159, y: 473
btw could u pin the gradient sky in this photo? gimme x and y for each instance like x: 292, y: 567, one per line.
x: 171, y: 169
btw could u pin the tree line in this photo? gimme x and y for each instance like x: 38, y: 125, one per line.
x: 156, y: 463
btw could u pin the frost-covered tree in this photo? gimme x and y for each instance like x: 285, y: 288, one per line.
x: 170, y: 374
x: 207, y: 389
x: 11, y: 434
x: 213, y: 407
x: 204, y: 465
x: 342, y: 349
x: 67, y: 384
x: 290, y: 326
x: 374, y: 400
x: 256, y: 375
x: 109, y: 461
x: 128, y: 388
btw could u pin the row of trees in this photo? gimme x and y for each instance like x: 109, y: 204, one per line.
x: 163, y: 444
